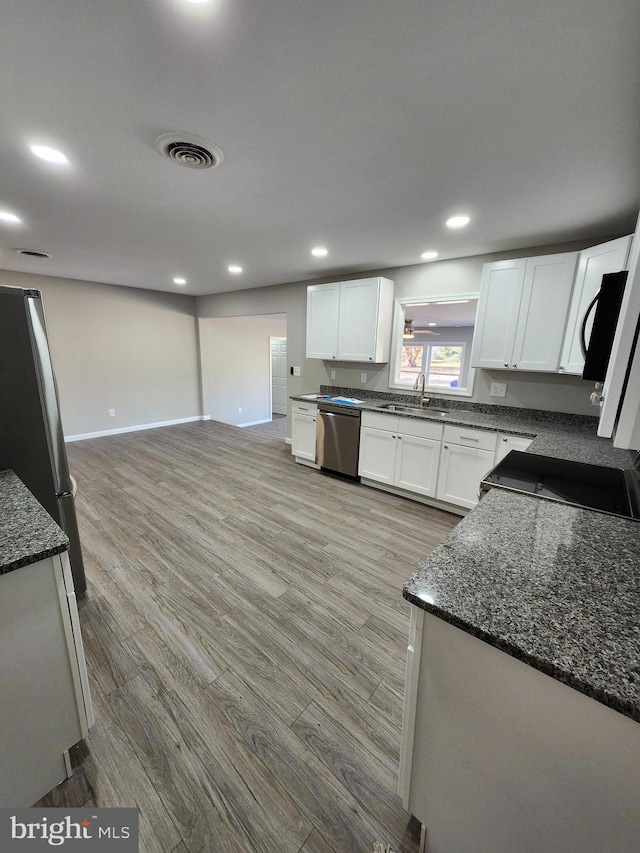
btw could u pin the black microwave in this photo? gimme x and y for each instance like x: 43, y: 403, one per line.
x: 607, y: 303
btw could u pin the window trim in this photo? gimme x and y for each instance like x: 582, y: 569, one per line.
x: 396, y: 344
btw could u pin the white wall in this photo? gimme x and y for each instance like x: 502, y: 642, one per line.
x: 123, y: 348
x: 236, y: 366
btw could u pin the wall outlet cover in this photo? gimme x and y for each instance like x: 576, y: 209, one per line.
x: 112, y: 413
x: 296, y: 371
x: 333, y: 374
x: 498, y: 389
x: 363, y: 377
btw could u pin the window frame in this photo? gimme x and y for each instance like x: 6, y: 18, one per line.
x: 395, y: 360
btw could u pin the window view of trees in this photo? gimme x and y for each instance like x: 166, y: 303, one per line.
x: 441, y: 364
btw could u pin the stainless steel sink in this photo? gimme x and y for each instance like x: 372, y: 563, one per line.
x: 412, y: 410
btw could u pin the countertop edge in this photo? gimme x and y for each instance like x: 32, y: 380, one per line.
x: 547, y: 668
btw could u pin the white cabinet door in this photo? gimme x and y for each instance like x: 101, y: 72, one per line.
x: 323, y: 311
x: 592, y: 265
x: 417, y: 462
x: 500, y: 293
x: 358, y: 320
x: 461, y: 470
x: 350, y: 320
x: 303, y: 436
x: 506, y: 443
x: 546, y: 293
x: 377, y: 455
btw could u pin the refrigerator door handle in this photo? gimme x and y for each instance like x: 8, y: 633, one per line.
x: 48, y: 395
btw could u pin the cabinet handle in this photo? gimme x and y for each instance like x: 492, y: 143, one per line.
x: 393, y: 436
x: 514, y: 365
x: 468, y: 438
x: 504, y: 439
x: 303, y: 408
x: 399, y: 437
x: 506, y: 365
x: 446, y: 447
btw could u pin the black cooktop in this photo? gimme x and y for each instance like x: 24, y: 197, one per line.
x: 597, y: 487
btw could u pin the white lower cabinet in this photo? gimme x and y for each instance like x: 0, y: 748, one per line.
x: 303, y: 431
x: 507, y: 443
x: 405, y: 453
x: 466, y: 457
x: 497, y: 757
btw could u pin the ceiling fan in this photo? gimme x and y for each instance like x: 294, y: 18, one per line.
x: 410, y: 331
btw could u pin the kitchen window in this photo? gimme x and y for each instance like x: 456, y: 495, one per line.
x: 434, y: 336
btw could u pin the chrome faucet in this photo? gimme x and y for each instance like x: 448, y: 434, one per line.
x: 418, y: 386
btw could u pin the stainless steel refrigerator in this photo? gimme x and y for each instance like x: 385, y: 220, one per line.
x: 31, y: 436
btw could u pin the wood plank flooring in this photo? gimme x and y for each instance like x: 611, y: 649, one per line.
x: 245, y: 636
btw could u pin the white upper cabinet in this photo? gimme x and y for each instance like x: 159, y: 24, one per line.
x: 323, y: 312
x: 592, y: 265
x: 548, y: 282
x: 522, y: 313
x: 500, y: 294
x: 350, y: 320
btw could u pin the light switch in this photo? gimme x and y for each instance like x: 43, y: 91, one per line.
x: 296, y: 371
x: 498, y: 389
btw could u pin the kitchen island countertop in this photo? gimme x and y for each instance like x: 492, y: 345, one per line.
x: 553, y: 585
x: 27, y: 531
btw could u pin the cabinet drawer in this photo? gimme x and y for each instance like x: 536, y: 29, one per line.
x: 477, y: 438
x: 377, y: 420
x: 303, y: 408
x: 420, y: 428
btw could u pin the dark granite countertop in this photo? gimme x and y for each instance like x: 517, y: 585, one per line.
x: 556, y: 434
x: 556, y: 586
x: 27, y: 531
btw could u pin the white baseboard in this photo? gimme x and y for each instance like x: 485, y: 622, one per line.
x: 137, y: 428
x: 255, y: 423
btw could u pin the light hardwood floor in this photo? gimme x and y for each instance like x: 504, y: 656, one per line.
x: 245, y: 635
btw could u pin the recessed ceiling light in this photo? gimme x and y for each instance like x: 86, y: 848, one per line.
x: 179, y: 280
x: 5, y: 216
x: 197, y: 2
x: 428, y: 256
x: 49, y: 154
x: 319, y: 252
x: 234, y: 268
x: 457, y: 221
x: 32, y: 253
x: 432, y: 324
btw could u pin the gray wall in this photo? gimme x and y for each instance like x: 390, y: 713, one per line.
x: 529, y: 390
x: 123, y: 348
x: 236, y: 366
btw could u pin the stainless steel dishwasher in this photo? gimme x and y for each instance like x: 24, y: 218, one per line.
x: 338, y: 439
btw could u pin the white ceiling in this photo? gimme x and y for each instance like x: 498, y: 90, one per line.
x: 356, y: 124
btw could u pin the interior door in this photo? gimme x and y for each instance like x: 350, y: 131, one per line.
x: 279, y: 376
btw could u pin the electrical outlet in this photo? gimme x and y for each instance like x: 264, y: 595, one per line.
x: 333, y: 374
x: 112, y: 413
x: 240, y: 411
x: 363, y: 377
x: 296, y: 371
x: 498, y: 389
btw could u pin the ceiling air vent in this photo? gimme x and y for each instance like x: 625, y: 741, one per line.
x: 188, y: 150
x: 30, y: 254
